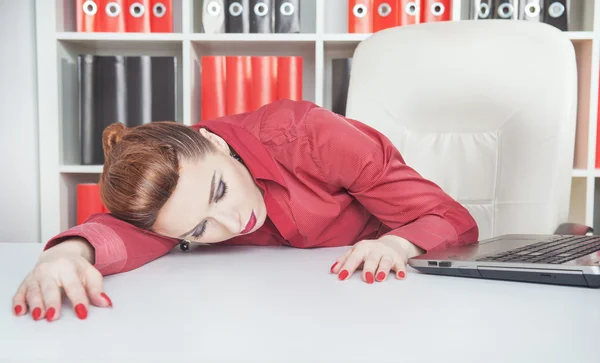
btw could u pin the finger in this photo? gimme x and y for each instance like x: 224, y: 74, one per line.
x: 34, y: 300
x: 52, y: 298
x: 19, y: 302
x: 76, y: 293
x: 355, y: 259
x: 94, y: 283
x: 385, y: 264
x: 370, y: 266
x: 400, y: 268
x: 340, y: 261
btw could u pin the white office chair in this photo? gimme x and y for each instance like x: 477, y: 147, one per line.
x: 485, y: 108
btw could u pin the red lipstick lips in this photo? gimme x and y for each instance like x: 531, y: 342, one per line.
x: 251, y: 223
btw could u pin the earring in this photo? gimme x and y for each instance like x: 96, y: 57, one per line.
x: 184, y: 245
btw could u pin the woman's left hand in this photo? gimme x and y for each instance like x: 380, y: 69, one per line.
x: 378, y: 257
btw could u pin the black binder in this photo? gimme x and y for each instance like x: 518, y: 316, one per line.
x: 164, y: 90
x: 213, y: 16
x: 102, y: 98
x: 287, y: 16
x: 482, y: 9
x: 261, y: 16
x: 340, y: 81
x: 556, y: 13
x: 531, y: 10
x: 139, y: 91
x: 506, y: 9
x: 237, y: 18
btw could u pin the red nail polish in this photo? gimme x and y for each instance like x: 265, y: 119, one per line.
x: 401, y: 274
x: 81, y: 311
x: 332, y: 267
x: 106, y: 298
x: 369, y: 277
x: 381, y: 276
x: 37, y: 312
x: 50, y: 314
x: 18, y: 309
x: 343, y: 275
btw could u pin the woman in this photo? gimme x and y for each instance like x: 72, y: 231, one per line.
x: 290, y: 173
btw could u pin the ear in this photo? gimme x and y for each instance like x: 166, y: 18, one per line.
x: 216, y: 140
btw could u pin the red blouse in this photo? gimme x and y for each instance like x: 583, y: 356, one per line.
x: 327, y: 181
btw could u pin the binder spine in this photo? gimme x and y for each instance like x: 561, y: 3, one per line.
x: 237, y: 18
x: 85, y: 69
x: 164, y: 90
x: 385, y: 14
x: 86, y: 15
x: 139, y: 91
x: 506, y: 10
x: 88, y: 201
x: 261, y: 16
x: 264, y: 81
x: 556, y: 13
x: 213, y: 16
x: 360, y: 19
x: 137, y: 18
x: 111, y: 16
x: 213, y: 87
x: 481, y: 9
x: 340, y: 81
x: 531, y: 10
x: 238, y: 84
x: 161, y: 16
x: 287, y: 16
x: 289, y: 78
x: 409, y: 12
x: 436, y: 10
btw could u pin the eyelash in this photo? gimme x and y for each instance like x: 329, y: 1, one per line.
x: 198, y: 234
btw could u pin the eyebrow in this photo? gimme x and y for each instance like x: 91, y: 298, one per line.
x: 210, y: 198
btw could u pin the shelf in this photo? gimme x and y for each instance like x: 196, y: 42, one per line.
x: 81, y: 169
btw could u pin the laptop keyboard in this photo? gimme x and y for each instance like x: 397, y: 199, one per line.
x: 556, y: 251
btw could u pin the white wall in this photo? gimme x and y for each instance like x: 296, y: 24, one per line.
x: 19, y: 182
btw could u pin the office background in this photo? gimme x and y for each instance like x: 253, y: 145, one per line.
x: 39, y: 92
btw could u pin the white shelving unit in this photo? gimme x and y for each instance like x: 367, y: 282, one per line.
x: 324, y: 37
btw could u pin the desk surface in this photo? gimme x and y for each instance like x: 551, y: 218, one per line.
x: 258, y: 304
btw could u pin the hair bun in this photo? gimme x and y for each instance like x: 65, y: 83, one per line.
x: 111, y: 136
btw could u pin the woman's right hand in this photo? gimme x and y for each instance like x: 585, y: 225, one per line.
x: 66, y: 266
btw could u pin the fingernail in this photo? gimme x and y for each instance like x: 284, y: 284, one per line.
x: 18, y: 309
x: 81, y: 311
x: 107, y: 299
x: 37, y: 312
x: 401, y: 274
x: 332, y: 267
x: 381, y: 276
x: 369, y: 277
x: 50, y: 314
x: 343, y: 274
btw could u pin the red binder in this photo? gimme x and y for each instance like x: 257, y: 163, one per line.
x: 289, y: 78
x: 86, y: 13
x: 409, y: 12
x: 137, y: 16
x: 111, y: 16
x: 161, y: 16
x: 264, y: 81
x: 88, y: 201
x: 385, y: 14
x: 239, y: 80
x: 213, y: 86
x: 360, y: 19
x: 436, y: 10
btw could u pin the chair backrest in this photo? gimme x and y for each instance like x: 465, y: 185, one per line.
x: 486, y: 109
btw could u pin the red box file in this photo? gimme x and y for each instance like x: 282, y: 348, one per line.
x: 112, y: 18
x: 409, y: 12
x: 213, y: 87
x: 264, y: 81
x: 360, y: 19
x: 88, y: 201
x: 161, y: 16
x: 86, y: 14
x: 137, y: 16
x: 436, y: 10
x: 385, y: 14
x: 289, y: 78
x: 239, y: 83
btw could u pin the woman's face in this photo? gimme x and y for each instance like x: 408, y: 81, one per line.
x: 216, y: 199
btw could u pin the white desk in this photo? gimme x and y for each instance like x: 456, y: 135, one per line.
x: 255, y: 304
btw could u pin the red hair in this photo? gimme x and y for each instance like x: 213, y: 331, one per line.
x: 141, y: 167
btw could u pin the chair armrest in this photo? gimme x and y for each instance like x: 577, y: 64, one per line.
x: 573, y: 229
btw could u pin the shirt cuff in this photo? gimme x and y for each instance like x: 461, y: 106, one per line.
x: 429, y: 232
x: 110, y: 253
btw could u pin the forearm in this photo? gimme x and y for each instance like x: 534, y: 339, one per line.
x: 73, y: 245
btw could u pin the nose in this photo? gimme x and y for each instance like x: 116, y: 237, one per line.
x: 228, y: 220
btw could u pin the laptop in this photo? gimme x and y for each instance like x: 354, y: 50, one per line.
x: 572, y: 260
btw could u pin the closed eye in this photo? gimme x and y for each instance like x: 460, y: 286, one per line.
x: 220, y: 194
